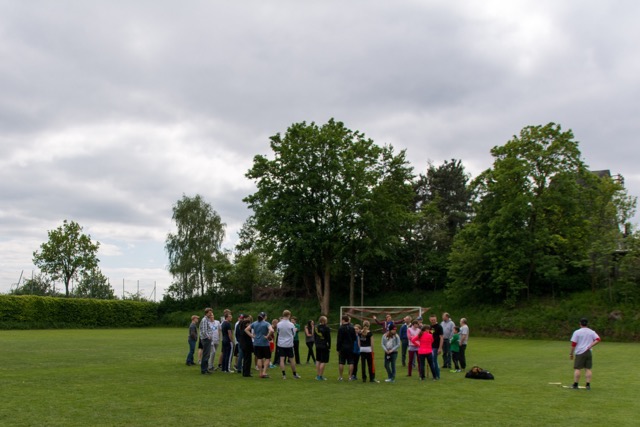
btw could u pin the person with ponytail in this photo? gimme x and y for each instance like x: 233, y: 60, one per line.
x: 366, y: 353
x: 423, y: 341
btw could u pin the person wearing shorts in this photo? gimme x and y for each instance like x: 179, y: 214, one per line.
x: 260, y: 331
x: 286, y: 334
x: 344, y: 344
x: 322, y: 335
x: 582, y: 341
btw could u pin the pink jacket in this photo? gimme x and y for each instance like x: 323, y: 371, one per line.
x: 423, y: 342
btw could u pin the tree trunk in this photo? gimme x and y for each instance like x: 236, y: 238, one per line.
x: 323, y: 284
x: 352, y: 286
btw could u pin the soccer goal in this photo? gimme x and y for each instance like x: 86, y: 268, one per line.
x: 360, y: 313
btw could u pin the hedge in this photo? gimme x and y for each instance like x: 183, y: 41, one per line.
x: 36, y: 312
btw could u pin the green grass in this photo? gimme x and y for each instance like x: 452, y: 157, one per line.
x: 138, y: 377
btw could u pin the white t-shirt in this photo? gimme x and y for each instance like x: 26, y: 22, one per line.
x: 215, y: 325
x: 464, y: 330
x: 286, y: 332
x: 583, y: 338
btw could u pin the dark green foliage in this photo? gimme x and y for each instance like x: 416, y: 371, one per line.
x: 195, y: 258
x: 330, y: 199
x: 542, y: 223
x: 34, y: 312
x: 67, y: 253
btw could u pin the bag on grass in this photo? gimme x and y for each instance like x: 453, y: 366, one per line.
x: 477, y: 373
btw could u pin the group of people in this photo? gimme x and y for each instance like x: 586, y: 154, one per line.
x: 260, y: 339
x: 423, y: 343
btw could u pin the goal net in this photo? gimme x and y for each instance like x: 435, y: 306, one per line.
x: 359, y: 313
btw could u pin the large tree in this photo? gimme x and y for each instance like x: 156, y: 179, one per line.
x: 194, y: 249
x: 67, y: 253
x: 443, y: 206
x: 315, y: 198
x: 533, y: 222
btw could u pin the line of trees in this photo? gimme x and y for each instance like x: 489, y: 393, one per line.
x: 332, y: 208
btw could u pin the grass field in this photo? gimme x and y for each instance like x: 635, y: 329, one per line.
x: 138, y: 377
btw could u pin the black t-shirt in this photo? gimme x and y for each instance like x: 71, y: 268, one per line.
x: 226, y: 327
x: 243, y: 339
x: 346, y: 337
x: 365, y: 340
x: 322, y: 335
x: 437, y: 335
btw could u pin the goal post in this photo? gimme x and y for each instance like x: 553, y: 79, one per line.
x: 360, y: 313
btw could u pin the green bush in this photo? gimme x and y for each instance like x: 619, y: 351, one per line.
x: 35, y: 312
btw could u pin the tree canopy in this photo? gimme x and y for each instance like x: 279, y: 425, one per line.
x: 194, y: 249
x: 67, y: 253
x: 328, y: 197
x: 534, y: 219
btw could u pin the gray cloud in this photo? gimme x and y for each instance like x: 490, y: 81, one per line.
x: 111, y: 111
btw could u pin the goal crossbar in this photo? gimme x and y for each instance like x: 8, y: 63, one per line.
x: 398, y: 313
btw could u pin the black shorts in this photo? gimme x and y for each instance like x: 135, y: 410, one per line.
x: 345, y: 357
x: 285, y: 351
x: 199, y: 343
x: 262, y: 352
x: 322, y: 355
x: 583, y: 361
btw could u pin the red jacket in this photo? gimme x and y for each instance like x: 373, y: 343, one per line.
x: 423, y: 342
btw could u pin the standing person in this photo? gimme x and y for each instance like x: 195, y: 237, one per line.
x: 344, y: 345
x: 286, y: 333
x: 206, y: 337
x: 356, y: 352
x: 237, y: 333
x: 390, y: 344
x: 322, y: 335
x: 366, y: 353
x: 424, y: 342
x: 224, y: 315
x: 296, y: 340
x: 215, y: 341
x: 582, y: 341
x: 261, y: 331
x: 413, y: 331
x: 404, y: 340
x: 447, y: 332
x: 273, y: 344
x: 464, y: 338
x: 455, y: 349
x: 246, y: 345
x: 310, y: 341
x: 387, y: 324
x: 436, y: 331
x: 193, y: 337
x: 226, y: 331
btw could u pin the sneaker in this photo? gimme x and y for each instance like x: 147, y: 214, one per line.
x: 339, y: 378
x: 388, y: 380
x: 324, y: 378
x: 588, y: 387
x: 265, y: 376
x: 458, y: 370
x: 375, y: 381
x: 297, y: 377
x: 575, y: 386
x: 284, y: 377
x: 453, y: 371
x: 318, y: 378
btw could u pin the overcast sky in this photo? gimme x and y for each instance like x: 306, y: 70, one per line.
x: 110, y: 111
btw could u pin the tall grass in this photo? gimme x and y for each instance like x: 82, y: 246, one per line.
x: 138, y: 377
